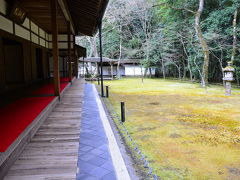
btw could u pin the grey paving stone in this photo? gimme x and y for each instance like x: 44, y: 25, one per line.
x: 85, y: 166
x: 85, y: 148
x: 83, y: 176
x: 104, y: 147
x: 105, y: 155
x: 94, y: 159
x: 108, y: 165
x: 99, y: 172
x: 87, y: 157
x: 96, y: 151
x: 97, y: 161
x: 88, y: 142
x: 110, y: 176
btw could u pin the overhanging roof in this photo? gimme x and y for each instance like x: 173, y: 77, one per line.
x: 87, y: 15
x: 82, y: 52
x: 114, y: 61
x: 84, y: 15
x: 97, y: 59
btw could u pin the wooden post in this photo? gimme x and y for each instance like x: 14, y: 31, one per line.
x: 98, y: 74
x: 63, y: 65
x: 55, y: 48
x: 107, y: 92
x: 83, y: 69
x: 69, y: 53
x: 101, y: 62
x: 123, y: 111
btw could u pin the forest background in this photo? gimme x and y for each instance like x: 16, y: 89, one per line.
x: 185, y: 39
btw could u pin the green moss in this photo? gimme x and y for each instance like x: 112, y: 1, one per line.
x: 185, y: 131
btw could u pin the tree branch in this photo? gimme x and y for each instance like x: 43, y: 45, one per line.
x: 186, y: 9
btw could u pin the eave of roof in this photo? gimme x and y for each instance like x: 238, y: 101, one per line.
x: 87, y: 15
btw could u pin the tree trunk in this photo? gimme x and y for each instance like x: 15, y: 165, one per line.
x: 184, y: 72
x: 87, y: 71
x: 112, y: 71
x: 95, y: 51
x: 93, y: 43
x: 188, y: 63
x: 234, y: 35
x: 179, y: 73
x: 120, y: 54
x: 142, y: 73
x: 163, y: 67
x: 237, y: 77
x: 145, y: 71
x: 163, y: 70
x: 203, y: 43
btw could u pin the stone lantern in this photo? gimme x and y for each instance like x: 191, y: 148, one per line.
x: 228, y: 78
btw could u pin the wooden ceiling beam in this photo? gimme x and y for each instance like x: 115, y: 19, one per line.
x: 66, y: 13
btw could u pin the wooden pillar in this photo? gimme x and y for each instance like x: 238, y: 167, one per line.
x: 101, y: 62
x: 75, y: 57
x: 55, y: 48
x: 69, y: 53
x: 63, y: 67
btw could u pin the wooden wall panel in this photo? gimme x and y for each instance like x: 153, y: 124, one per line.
x: 2, y: 70
x: 27, y: 62
x: 33, y: 61
x: 45, y: 64
x: 14, y: 63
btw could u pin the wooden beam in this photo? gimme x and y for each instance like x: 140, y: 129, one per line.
x: 55, y: 48
x: 69, y: 53
x: 67, y: 15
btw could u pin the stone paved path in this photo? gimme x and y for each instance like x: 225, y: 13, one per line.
x: 94, y: 159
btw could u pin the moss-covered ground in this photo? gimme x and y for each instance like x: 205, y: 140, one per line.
x: 186, y: 132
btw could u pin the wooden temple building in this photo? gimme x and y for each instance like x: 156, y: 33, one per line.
x: 37, y: 43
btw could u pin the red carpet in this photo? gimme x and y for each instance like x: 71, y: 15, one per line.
x: 64, y: 79
x: 48, y: 89
x: 15, y: 117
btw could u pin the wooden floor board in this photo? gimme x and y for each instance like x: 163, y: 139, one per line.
x: 53, y: 151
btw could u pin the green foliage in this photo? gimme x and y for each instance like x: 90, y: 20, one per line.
x: 162, y: 33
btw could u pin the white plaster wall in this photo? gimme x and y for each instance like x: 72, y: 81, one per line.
x: 107, y: 71
x: 41, y: 33
x: 34, y: 38
x: 42, y: 42
x: 131, y: 70
x: 34, y: 27
x: 61, y: 37
x: 61, y: 45
x: 21, y: 32
x: 3, y: 7
x: 6, y: 24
